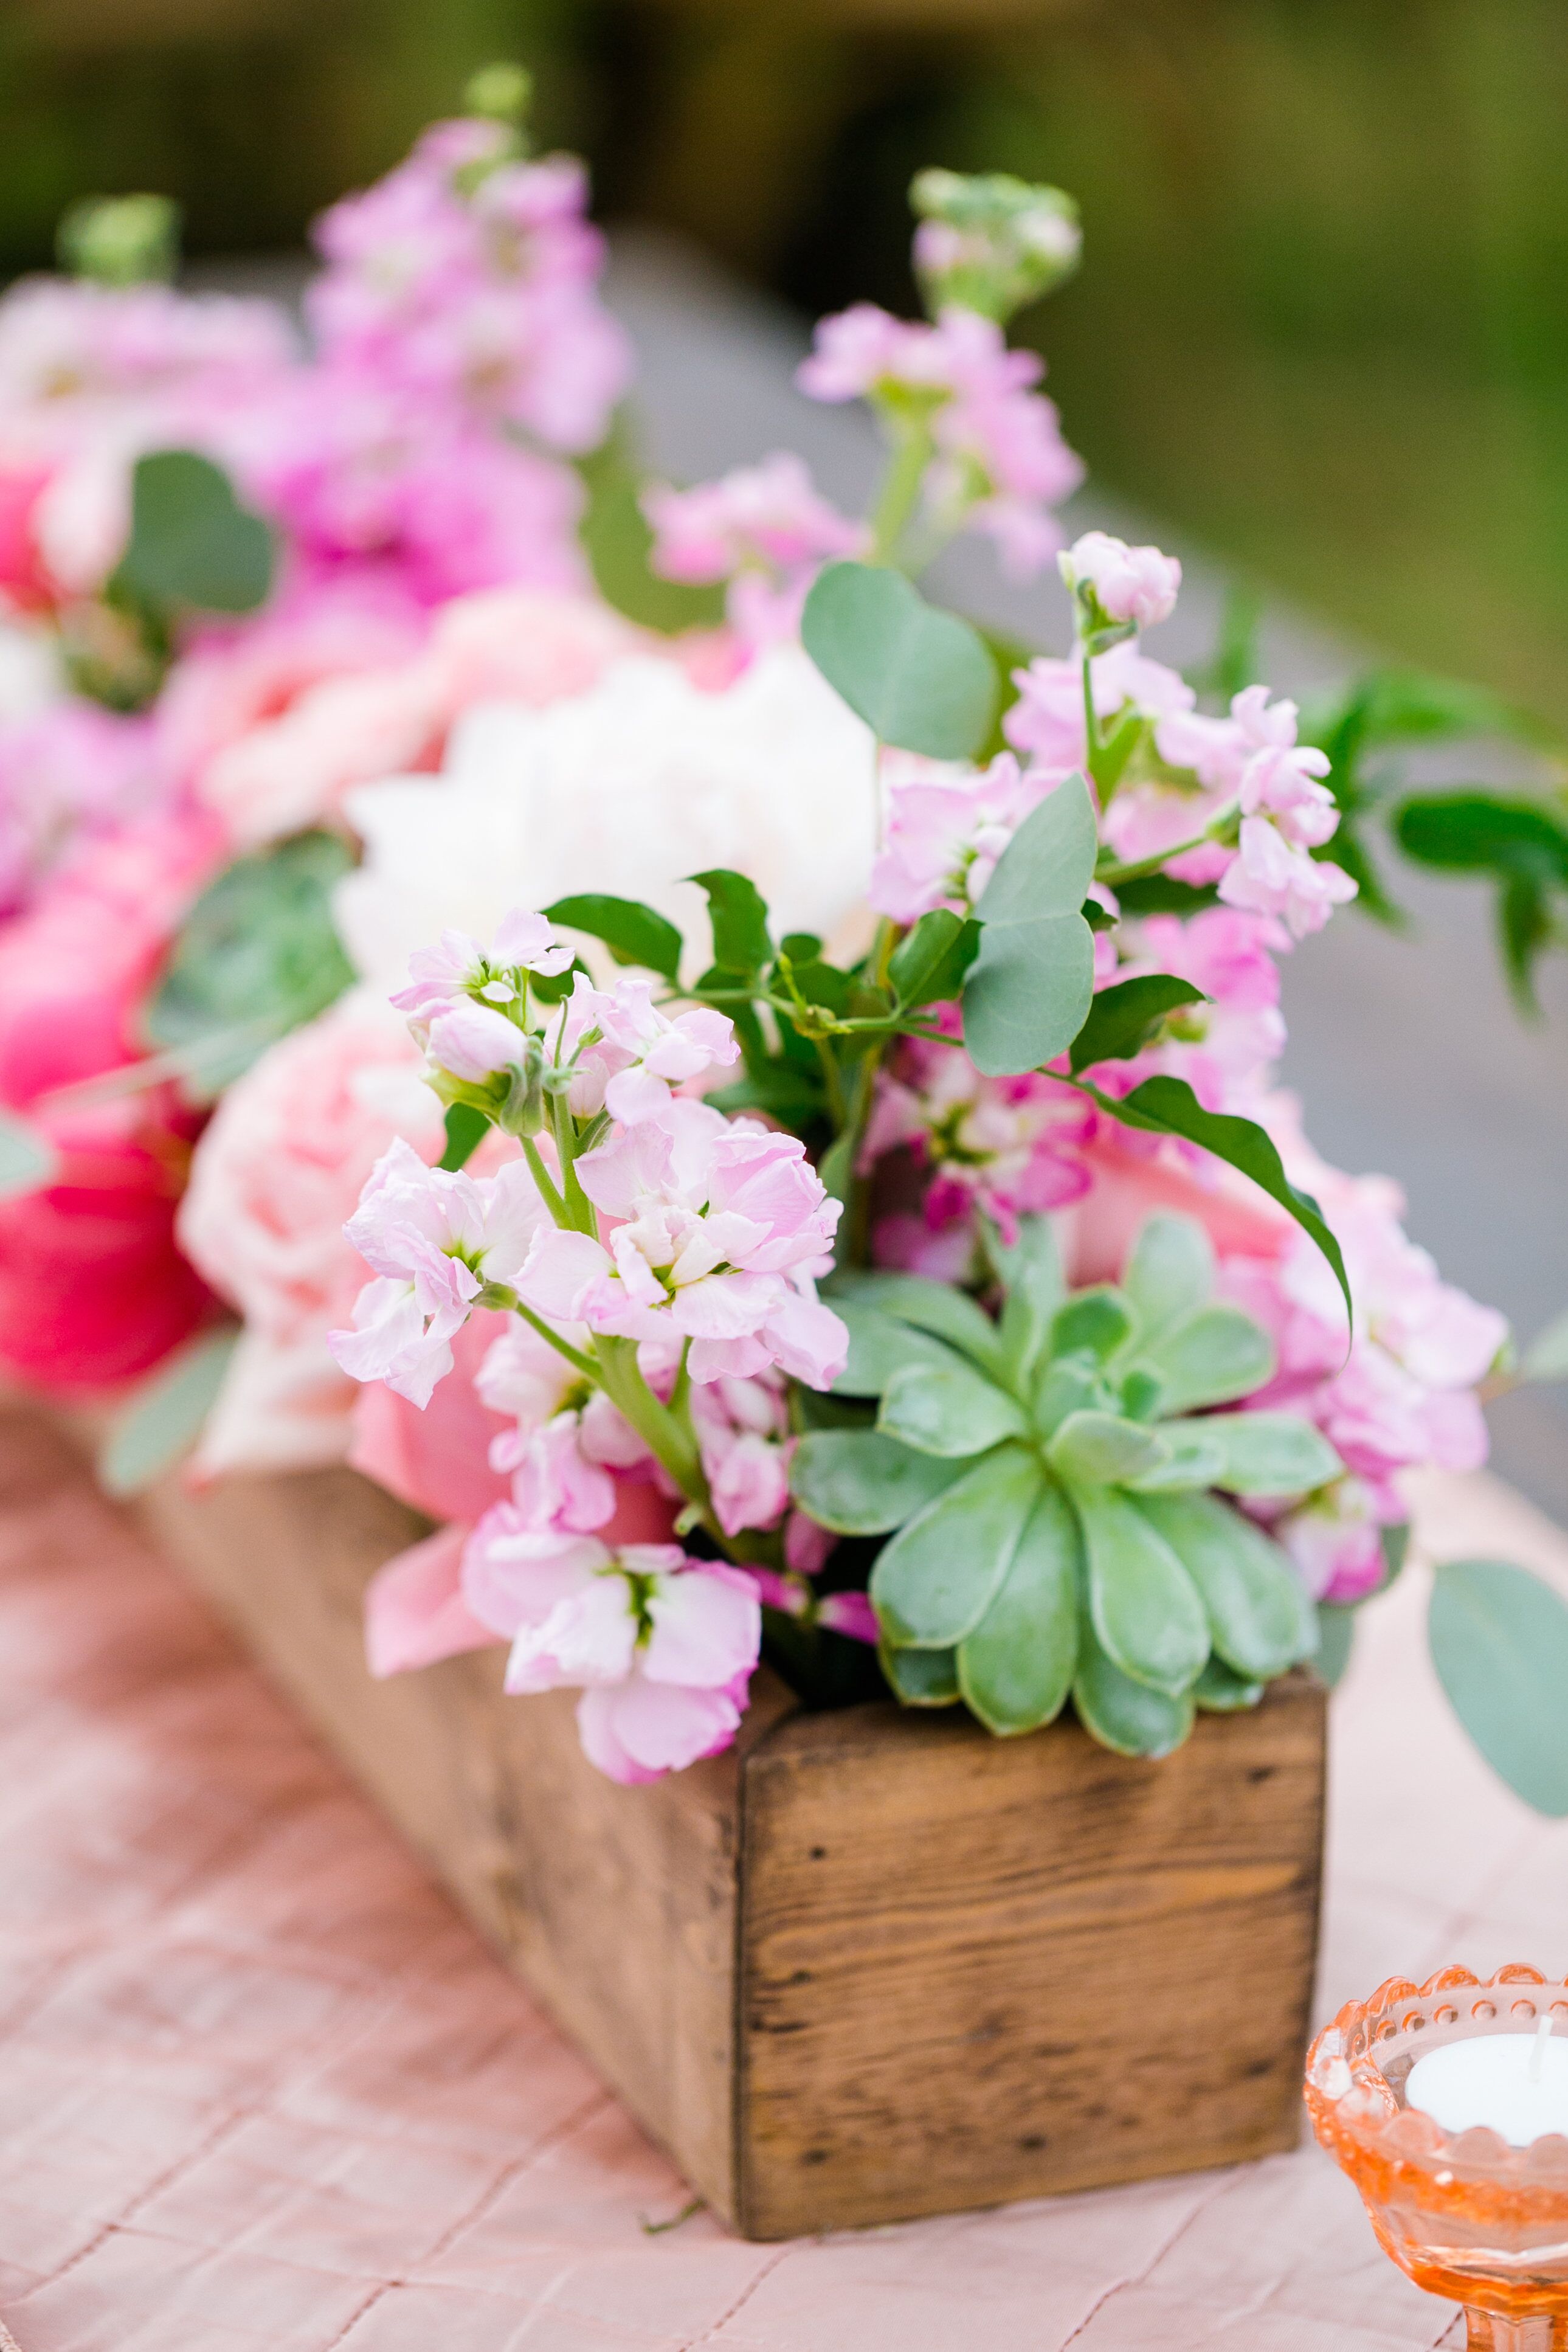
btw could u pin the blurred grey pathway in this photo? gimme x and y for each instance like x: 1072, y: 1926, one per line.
x: 1405, y: 1049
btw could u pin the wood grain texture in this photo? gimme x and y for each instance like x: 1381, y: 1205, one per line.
x: 866, y: 1966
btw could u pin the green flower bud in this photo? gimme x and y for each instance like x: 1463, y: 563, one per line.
x: 120, y: 240
x: 988, y: 242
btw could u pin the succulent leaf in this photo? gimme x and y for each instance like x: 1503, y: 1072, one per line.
x: 935, y: 1578
x: 1100, y: 1449
x: 879, y: 1347
x: 1210, y: 1357
x: 1218, y: 1691
x: 935, y: 1307
x: 1146, y: 1609
x: 949, y: 1409
x: 1017, y: 1666
x: 922, y: 1678
x: 1098, y: 1322
x: 1257, y: 1606
x: 860, y: 1482
x: 1170, y: 1270
x: 1120, y: 1713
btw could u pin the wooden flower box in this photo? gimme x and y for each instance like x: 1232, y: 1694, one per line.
x: 866, y: 1966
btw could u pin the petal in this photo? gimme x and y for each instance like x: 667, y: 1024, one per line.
x: 561, y: 1269
x: 707, y: 1627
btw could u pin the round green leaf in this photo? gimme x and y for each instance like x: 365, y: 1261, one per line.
x: 1028, y: 991
x: 861, y: 1483
x: 192, y: 543
x: 919, y: 677
x: 1147, y: 1616
x: 949, y: 1409
x: 1016, y: 1668
x: 1123, y: 1714
x: 935, y: 1578
x: 1257, y: 1607
x: 1499, y: 1643
x: 1336, y: 1636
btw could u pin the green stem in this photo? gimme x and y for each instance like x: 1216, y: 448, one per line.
x: 1091, y: 717
x: 1137, y: 869
x: 666, y: 1433
x: 838, y: 1109
x: 579, y: 1208
x: 900, y: 492
x: 574, y: 1356
x: 544, y: 1180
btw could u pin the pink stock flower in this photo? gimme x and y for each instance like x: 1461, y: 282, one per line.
x: 1135, y: 586
x: 1226, y: 1049
x: 567, y: 1437
x: 946, y: 827
x: 716, y: 1229
x: 458, y: 988
x: 1269, y: 875
x: 1335, y: 1540
x: 1047, y: 720
x: 743, y: 1433
x: 1007, y: 1146
x: 434, y: 1241
x: 663, y: 1647
x: 1001, y: 462
x: 642, y: 1053
x: 764, y: 527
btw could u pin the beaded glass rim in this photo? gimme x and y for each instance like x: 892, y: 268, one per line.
x: 1392, y: 2151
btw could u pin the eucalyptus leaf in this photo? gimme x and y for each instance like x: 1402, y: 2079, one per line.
x: 922, y: 1678
x: 633, y: 933
x: 921, y: 678
x: 1030, y: 989
x: 1257, y: 1607
x: 949, y: 1409
x: 191, y: 544
x: 618, y: 540
x: 256, y: 956
x: 164, y: 1418
x: 1498, y: 1637
x: 1016, y: 1668
x: 1210, y: 1357
x: 934, y: 1579
x: 861, y: 1483
x: 1336, y: 1636
x: 1169, y: 1271
x: 1122, y: 1713
x: 1125, y: 1016
x: 28, y: 1161
x: 1098, y: 1449
x: 1147, y: 1613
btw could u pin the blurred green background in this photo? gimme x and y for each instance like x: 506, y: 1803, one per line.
x: 1324, y: 316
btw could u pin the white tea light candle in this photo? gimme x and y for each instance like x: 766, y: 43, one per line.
x: 1512, y: 2084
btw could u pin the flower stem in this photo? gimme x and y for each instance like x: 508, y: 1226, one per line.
x: 544, y: 1180
x: 900, y: 491
x: 1136, y: 870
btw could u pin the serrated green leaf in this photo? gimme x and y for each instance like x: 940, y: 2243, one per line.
x: 935, y: 1578
x: 1263, y: 1453
x: 1016, y: 1668
x: 1122, y: 1713
x: 1165, y: 1106
x: 1148, y: 1615
x: 1257, y: 1607
x: 949, y: 1409
x: 1125, y: 1016
x: 256, y: 957
x: 1029, y: 988
x: 741, y: 944
x: 1499, y: 1638
x: 465, y: 1131
x: 1099, y: 1449
x: 164, y: 1420
x: 921, y: 678
x: 633, y: 933
x: 191, y: 544
x: 861, y: 1483
x: 28, y: 1161
x: 1218, y: 1691
x: 1211, y: 1356
x: 880, y: 1346
x: 922, y: 1678
x: 1170, y: 1272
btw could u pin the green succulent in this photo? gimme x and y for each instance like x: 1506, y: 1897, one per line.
x: 1046, y: 1483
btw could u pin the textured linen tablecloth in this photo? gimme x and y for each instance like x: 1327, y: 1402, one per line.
x: 261, y: 2089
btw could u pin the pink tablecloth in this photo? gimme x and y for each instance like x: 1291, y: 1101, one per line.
x: 262, y: 2091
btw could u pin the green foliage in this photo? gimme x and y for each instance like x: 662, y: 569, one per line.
x: 256, y: 956
x: 193, y: 547
x: 741, y: 945
x: 465, y: 1131
x: 1054, y: 1514
x: 1499, y: 1639
x: 1030, y: 989
x: 919, y: 677
x: 1124, y: 1017
x: 618, y: 539
x: 633, y: 932
x: 163, y: 1419
x: 1521, y: 845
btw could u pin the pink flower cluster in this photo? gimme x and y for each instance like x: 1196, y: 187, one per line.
x: 946, y: 827
x: 765, y: 529
x: 1135, y: 587
x: 1001, y: 462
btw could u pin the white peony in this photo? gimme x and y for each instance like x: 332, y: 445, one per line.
x: 625, y: 789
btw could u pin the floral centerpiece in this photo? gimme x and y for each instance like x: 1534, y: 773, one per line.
x: 810, y: 1071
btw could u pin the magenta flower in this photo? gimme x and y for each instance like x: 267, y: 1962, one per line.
x: 662, y: 1646
x: 434, y: 1240
x: 715, y: 1231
